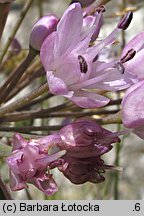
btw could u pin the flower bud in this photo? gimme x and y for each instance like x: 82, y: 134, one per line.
x: 125, y: 21
x: 85, y: 138
x: 42, y: 28
x: 84, y: 3
x: 15, y: 46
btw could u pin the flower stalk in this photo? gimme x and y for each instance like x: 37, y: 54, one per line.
x: 16, y: 75
x: 16, y: 27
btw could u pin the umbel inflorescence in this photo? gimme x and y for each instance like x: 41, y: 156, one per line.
x: 76, y: 67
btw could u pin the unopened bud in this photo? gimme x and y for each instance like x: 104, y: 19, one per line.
x: 15, y: 46
x: 42, y: 28
x: 84, y: 3
x: 125, y: 21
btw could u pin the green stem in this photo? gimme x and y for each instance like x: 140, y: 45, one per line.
x: 40, y: 8
x: 16, y: 27
x: 21, y: 85
x: 16, y: 75
x: 118, y: 146
x: 4, y: 10
x: 51, y: 112
x: 4, y: 193
x: 24, y: 101
x: 28, y: 129
x: 117, y: 162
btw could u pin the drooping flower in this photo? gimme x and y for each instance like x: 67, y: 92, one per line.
x: 70, y: 64
x: 85, y: 142
x: 85, y: 138
x: 81, y: 170
x: 25, y: 163
x: 133, y: 109
x: 41, y: 29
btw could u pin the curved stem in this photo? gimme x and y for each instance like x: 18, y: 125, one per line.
x: 21, y: 85
x: 4, y: 10
x: 16, y: 75
x: 24, y: 101
x: 4, y: 193
x: 15, y: 29
x: 51, y: 112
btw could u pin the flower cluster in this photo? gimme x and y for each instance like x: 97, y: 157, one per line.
x: 72, y: 57
x: 26, y: 165
x: 77, y: 150
x: 73, y: 68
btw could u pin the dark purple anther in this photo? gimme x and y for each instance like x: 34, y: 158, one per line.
x: 101, y: 8
x: 125, y: 21
x: 129, y: 55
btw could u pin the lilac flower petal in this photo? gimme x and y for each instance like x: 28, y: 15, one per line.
x: 136, y: 65
x: 64, y: 64
x: 47, y: 51
x: 113, y: 81
x: 89, y: 99
x: 45, y: 183
x: 46, y: 142
x: 98, y: 24
x: 131, y: 89
x: 45, y: 161
x: 57, y: 85
x: 18, y: 141
x: 139, y: 131
x: 69, y: 29
x: 133, y: 106
x: 16, y: 183
x: 137, y: 43
x: 14, y: 160
x: 85, y: 138
x: 88, y: 27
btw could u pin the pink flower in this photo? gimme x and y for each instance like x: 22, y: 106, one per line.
x: 25, y: 163
x: 136, y: 64
x: 70, y: 64
x: 84, y: 138
x: 133, y: 109
x: 41, y: 29
x: 81, y: 170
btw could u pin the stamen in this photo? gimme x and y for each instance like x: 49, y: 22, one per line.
x: 125, y: 21
x: 129, y: 55
x: 83, y: 64
x: 101, y: 8
x: 120, y: 67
